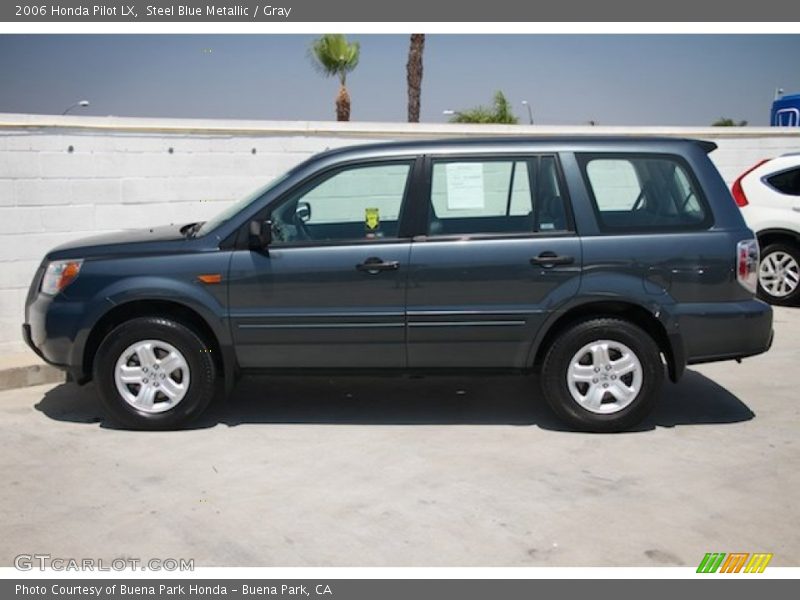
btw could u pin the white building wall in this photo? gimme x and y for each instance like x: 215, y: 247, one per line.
x: 62, y: 178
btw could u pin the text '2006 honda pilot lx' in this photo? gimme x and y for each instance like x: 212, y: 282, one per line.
x: 599, y: 263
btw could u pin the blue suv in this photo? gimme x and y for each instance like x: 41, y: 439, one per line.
x: 599, y: 263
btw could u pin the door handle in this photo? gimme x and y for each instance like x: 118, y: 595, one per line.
x: 375, y: 265
x: 550, y: 259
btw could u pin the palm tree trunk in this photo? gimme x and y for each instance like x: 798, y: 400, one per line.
x: 343, y: 104
x: 414, y: 75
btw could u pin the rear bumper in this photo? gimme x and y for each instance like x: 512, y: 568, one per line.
x: 725, y: 330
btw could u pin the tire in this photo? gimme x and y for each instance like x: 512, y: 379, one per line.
x: 779, y: 274
x: 130, y: 371
x: 630, y: 368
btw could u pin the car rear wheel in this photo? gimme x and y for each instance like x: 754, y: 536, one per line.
x: 154, y: 373
x: 779, y: 274
x: 602, y: 375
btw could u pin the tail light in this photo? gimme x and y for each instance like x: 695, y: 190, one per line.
x: 747, y: 260
x: 737, y: 191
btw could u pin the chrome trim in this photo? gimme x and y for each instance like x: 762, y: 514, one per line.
x: 521, y: 311
x: 315, y: 325
x: 318, y: 315
x: 465, y: 323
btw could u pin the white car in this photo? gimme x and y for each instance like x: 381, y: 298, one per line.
x: 768, y: 195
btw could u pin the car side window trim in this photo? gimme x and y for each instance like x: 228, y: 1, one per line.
x: 466, y: 237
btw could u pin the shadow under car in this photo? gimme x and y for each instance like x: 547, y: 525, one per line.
x: 403, y: 400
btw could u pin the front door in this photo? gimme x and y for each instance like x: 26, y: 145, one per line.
x: 500, y: 254
x: 330, y: 290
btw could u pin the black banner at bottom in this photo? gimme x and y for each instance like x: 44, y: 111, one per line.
x: 393, y: 589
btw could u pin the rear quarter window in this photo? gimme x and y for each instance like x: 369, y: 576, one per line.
x: 786, y: 182
x: 641, y: 193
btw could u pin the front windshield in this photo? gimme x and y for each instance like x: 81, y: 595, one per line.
x: 239, y: 205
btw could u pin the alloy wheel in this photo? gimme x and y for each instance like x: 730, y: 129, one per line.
x: 152, y: 376
x: 604, y: 376
x: 779, y: 274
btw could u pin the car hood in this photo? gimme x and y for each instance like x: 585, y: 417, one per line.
x: 120, y: 242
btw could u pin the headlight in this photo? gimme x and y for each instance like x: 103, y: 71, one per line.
x: 60, y: 274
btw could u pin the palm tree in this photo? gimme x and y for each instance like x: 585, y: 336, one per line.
x: 499, y: 112
x: 414, y: 75
x: 333, y: 55
x: 728, y: 122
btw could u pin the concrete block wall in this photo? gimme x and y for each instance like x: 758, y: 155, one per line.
x: 63, y: 178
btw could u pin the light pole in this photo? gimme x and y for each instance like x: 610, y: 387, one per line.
x: 81, y: 103
x: 530, y: 112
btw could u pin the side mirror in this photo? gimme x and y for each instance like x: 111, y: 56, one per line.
x: 260, y: 234
x: 303, y: 211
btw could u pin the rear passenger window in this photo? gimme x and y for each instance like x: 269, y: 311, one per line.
x: 496, y: 196
x: 644, y: 193
x: 787, y: 182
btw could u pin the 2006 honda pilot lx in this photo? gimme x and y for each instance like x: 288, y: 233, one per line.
x: 597, y: 262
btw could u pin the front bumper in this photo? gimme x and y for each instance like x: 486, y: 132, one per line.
x: 26, y: 335
x: 52, y: 331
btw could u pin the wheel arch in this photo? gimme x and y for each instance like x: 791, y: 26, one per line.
x: 777, y: 235
x: 171, y: 309
x: 620, y: 309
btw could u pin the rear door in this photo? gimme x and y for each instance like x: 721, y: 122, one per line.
x: 499, y: 254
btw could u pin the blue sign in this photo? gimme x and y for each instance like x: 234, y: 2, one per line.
x: 786, y: 112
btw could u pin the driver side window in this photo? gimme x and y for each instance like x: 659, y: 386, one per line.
x: 356, y: 203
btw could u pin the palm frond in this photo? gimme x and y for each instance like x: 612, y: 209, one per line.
x: 332, y: 55
x: 499, y: 112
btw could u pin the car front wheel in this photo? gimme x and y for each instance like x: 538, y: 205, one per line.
x: 154, y: 373
x: 602, y: 375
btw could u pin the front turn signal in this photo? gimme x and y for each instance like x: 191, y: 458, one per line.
x: 210, y: 278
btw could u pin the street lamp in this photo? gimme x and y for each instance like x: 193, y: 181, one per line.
x: 778, y: 93
x: 81, y: 103
x: 449, y: 112
x: 530, y: 112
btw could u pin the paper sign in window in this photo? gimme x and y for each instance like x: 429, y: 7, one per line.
x: 465, y: 186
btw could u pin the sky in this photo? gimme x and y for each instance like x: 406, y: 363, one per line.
x: 687, y: 80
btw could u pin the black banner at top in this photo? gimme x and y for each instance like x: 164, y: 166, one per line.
x: 152, y: 11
